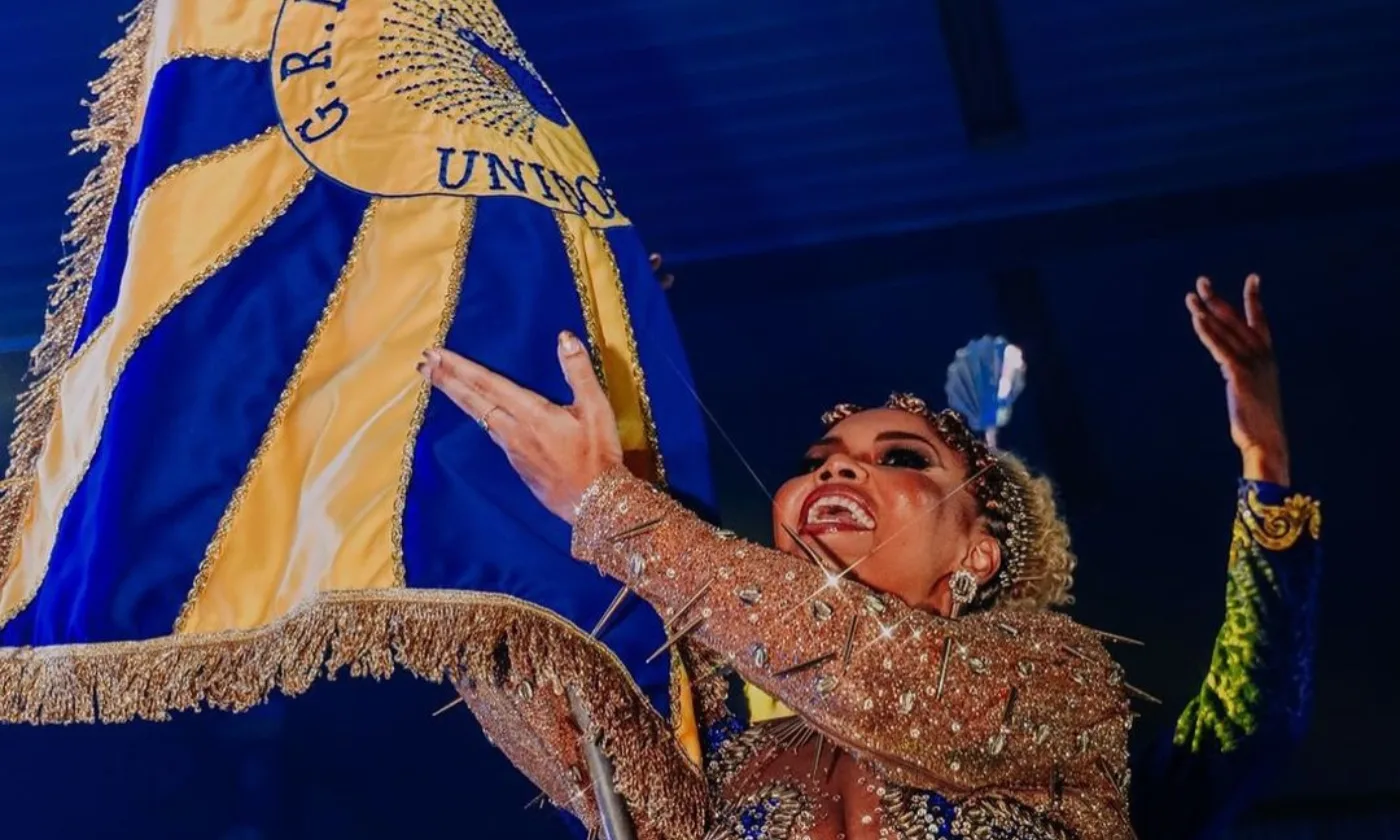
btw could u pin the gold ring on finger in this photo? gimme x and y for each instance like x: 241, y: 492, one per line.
x: 485, y: 420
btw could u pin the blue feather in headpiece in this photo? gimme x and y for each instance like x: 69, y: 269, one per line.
x: 984, y: 381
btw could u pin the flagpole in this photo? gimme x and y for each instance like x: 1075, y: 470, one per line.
x: 612, y: 811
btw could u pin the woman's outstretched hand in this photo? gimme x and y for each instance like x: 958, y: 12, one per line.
x: 557, y: 450
x: 658, y: 268
x: 1245, y: 352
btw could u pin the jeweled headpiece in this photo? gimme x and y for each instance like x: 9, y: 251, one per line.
x: 1000, y: 490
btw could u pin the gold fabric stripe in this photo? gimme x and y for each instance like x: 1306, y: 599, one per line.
x: 425, y: 391
x: 763, y: 706
x: 267, y: 137
x: 617, y: 321
x: 586, y: 297
x: 597, y: 273
x: 315, y: 508
x: 237, y: 29
x: 174, y: 172
x: 178, y: 241
x: 111, y: 131
x: 684, y: 720
x: 218, y: 545
x: 229, y: 27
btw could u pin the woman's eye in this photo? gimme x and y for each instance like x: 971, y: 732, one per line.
x: 810, y: 465
x: 906, y: 459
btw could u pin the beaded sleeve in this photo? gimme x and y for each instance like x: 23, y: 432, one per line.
x: 1026, y: 704
x: 1251, y: 708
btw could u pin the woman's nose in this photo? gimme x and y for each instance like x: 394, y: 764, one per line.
x: 841, y: 467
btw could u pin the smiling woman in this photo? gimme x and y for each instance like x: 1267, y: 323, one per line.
x: 1011, y: 719
x: 904, y: 482
x: 903, y: 620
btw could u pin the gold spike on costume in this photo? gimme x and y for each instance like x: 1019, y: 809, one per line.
x: 1027, y: 697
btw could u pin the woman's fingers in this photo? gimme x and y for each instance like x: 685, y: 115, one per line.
x: 1220, y: 344
x: 664, y: 278
x: 1254, y: 310
x: 558, y: 452
x: 462, y: 395
x: 589, y: 398
x: 496, y: 390
x: 1228, y: 319
x: 493, y: 418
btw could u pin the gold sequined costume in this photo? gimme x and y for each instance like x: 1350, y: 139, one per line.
x: 1002, y: 724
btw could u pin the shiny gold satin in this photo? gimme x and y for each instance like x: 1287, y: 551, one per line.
x: 254, y: 182
x: 683, y: 717
x: 425, y: 391
x: 446, y: 120
x: 273, y: 435
x: 598, y: 272
x: 316, y: 508
x: 583, y: 285
x: 111, y: 130
x: 229, y: 27
x: 240, y: 29
x: 762, y: 706
x: 253, y: 185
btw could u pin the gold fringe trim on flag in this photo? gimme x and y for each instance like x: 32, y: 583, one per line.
x: 519, y: 655
x: 371, y: 631
x: 111, y: 131
x: 522, y: 684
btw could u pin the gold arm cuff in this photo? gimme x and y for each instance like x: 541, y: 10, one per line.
x: 1278, y: 527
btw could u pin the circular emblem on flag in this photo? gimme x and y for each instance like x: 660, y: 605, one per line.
x: 460, y: 61
x: 424, y: 97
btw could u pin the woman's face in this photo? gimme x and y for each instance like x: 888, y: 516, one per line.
x: 883, y: 495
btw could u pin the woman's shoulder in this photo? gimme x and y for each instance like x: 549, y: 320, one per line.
x: 1046, y: 631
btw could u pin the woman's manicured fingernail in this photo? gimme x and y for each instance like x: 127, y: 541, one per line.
x: 568, y: 344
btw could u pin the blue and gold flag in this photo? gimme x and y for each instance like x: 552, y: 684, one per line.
x: 228, y: 477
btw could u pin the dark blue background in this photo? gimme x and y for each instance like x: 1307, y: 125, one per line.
x: 804, y: 164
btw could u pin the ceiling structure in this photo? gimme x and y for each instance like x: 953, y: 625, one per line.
x: 731, y: 127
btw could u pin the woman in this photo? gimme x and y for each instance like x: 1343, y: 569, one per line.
x: 1011, y: 722
x: 1241, y: 726
x: 1247, y: 718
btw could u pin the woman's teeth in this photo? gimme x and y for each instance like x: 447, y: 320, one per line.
x: 839, y: 510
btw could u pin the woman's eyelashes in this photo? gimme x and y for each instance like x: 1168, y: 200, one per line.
x: 905, y: 457
x: 900, y: 457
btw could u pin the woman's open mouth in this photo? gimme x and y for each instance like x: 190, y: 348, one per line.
x: 836, y: 509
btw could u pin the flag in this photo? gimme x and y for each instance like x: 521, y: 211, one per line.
x: 227, y: 477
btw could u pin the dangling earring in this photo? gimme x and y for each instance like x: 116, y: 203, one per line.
x: 963, y: 587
